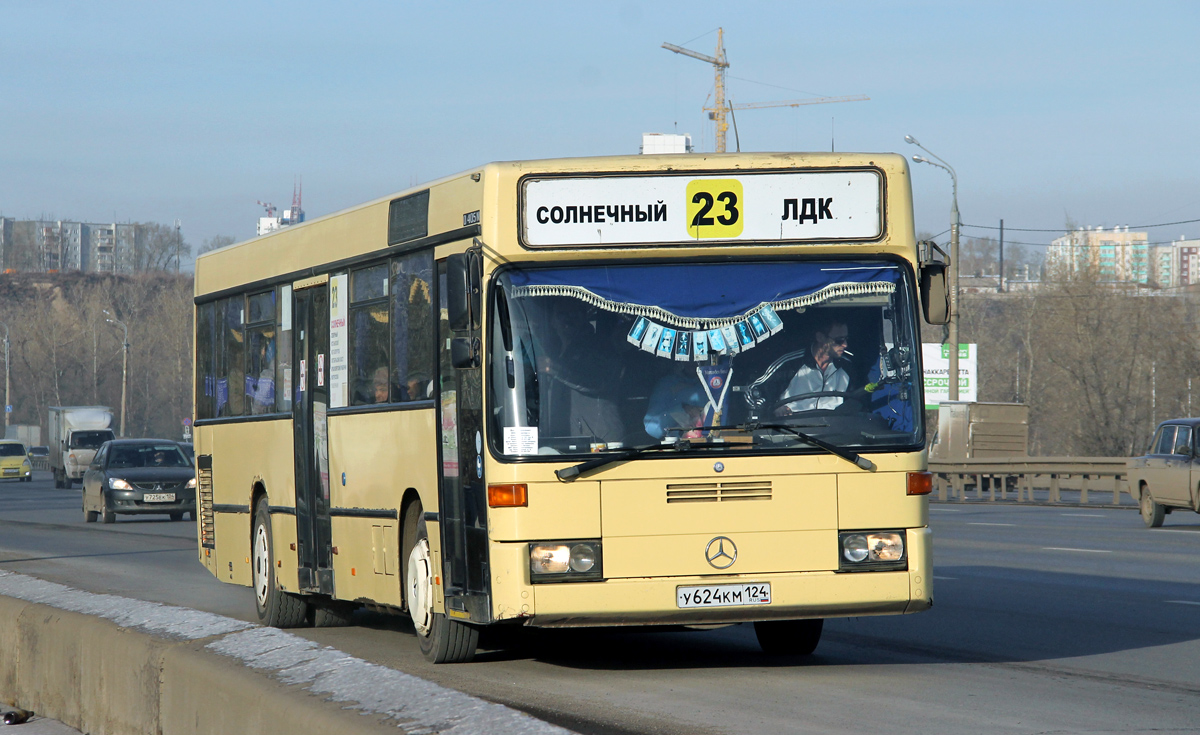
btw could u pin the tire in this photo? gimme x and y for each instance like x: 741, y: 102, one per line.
x: 177, y: 516
x: 275, y: 607
x: 1152, y: 512
x: 442, y: 640
x: 789, y: 637
x: 191, y: 516
x: 106, y: 515
x: 330, y: 614
x: 89, y: 516
x: 58, y: 483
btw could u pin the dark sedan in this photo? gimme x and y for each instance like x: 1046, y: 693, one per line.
x: 138, y: 476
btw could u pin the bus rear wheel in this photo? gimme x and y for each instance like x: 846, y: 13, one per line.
x: 789, y: 637
x: 275, y: 607
x: 442, y: 640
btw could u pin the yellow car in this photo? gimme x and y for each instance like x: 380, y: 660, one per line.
x: 14, y: 462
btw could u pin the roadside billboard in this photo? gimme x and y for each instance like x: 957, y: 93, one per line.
x: 936, y: 361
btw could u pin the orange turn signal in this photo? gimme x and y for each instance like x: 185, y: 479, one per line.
x: 920, y: 483
x: 508, y: 496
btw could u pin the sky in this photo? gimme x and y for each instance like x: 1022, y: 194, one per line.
x: 1050, y: 112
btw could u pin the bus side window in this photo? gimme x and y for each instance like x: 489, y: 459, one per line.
x: 412, y: 326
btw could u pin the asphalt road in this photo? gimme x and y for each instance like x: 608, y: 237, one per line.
x: 1046, y: 620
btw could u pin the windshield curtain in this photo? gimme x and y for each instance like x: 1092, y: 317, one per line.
x: 595, y: 358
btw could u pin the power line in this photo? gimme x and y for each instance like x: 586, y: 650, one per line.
x: 1065, y: 230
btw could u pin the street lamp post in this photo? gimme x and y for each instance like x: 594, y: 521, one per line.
x: 124, y: 365
x: 955, y: 226
x: 7, y: 386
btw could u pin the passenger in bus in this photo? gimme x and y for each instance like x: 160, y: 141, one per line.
x: 821, y: 370
x: 579, y: 374
x: 417, y: 387
x: 676, y: 403
x: 381, y: 389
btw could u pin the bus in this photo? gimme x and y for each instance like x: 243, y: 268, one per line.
x: 675, y: 390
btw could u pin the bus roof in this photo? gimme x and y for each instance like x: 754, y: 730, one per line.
x: 489, y: 194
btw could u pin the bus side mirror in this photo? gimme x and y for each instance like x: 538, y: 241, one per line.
x: 935, y: 293
x: 463, y: 289
x: 464, y: 353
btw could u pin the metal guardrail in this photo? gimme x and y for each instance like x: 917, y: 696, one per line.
x: 1038, y: 480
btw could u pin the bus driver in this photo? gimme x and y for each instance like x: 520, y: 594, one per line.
x: 820, y: 370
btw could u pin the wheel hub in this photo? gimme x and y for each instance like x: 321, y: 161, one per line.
x: 262, y: 565
x: 420, y: 588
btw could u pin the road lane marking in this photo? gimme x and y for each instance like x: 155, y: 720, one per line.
x: 976, y: 523
x: 1083, y: 515
x: 1174, y: 602
x: 1174, y: 530
x: 945, y: 510
x: 949, y: 578
x: 1063, y: 548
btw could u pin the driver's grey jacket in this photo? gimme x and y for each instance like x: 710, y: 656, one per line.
x: 812, y: 379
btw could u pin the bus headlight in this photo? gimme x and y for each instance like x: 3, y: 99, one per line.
x: 872, y: 551
x: 565, y: 561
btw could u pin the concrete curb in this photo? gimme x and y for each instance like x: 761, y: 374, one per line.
x: 110, y: 665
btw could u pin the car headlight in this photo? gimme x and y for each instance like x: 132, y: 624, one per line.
x: 565, y: 561
x: 191, y: 484
x: 872, y: 551
x: 117, y: 483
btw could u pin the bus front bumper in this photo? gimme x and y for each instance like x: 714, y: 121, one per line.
x: 654, y: 601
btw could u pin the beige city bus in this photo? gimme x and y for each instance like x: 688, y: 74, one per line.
x: 638, y: 390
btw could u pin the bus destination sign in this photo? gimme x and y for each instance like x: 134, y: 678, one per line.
x: 681, y: 208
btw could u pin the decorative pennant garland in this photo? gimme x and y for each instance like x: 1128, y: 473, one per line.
x: 687, y: 345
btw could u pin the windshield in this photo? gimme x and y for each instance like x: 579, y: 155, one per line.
x: 604, y: 357
x: 90, y: 439
x: 12, y: 450
x: 146, y: 455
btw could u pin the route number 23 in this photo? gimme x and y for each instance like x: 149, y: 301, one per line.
x: 714, y: 208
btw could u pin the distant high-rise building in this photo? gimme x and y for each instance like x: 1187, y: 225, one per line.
x: 1114, y: 256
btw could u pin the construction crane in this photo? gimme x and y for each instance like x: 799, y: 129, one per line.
x: 720, y: 107
x: 269, y: 207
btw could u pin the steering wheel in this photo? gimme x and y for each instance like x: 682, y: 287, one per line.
x: 847, y: 397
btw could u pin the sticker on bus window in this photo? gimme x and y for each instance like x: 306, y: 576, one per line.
x: 770, y: 318
x: 730, y: 335
x: 716, y: 341
x: 683, y: 346
x: 320, y: 370
x: 520, y: 440
x: 653, y: 332
x: 303, y: 375
x: 638, y: 331
x: 745, y: 335
x: 666, y: 343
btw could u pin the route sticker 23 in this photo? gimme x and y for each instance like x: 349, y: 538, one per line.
x: 714, y: 208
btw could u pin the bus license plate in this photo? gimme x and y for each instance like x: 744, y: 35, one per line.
x: 724, y: 595
x: 159, y: 497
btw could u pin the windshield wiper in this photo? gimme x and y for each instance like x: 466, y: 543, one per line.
x: 852, y: 457
x: 570, y: 473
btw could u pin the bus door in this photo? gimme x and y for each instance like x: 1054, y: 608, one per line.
x: 309, y: 417
x: 463, y: 495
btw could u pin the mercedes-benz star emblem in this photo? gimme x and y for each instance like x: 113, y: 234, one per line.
x: 721, y: 552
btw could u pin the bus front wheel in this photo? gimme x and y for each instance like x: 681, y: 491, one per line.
x: 275, y: 607
x: 442, y: 640
x: 789, y: 637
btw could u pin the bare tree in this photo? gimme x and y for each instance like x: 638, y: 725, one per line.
x: 215, y: 242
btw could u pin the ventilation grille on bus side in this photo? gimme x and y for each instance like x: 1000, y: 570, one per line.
x: 204, y: 496
x: 718, y: 492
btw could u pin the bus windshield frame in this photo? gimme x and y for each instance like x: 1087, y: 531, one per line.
x: 870, y: 400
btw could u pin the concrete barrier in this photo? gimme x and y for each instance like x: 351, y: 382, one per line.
x: 108, y: 665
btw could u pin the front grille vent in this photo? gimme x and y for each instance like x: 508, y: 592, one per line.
x: 155, y: 487
x: 204, y: 494
x: 719, y: 492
